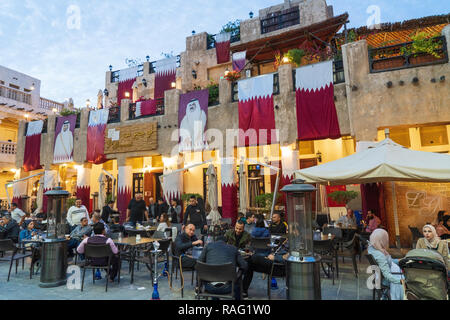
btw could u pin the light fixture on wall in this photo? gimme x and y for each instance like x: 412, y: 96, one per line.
x: 110, y: 67
x: 194, y: 74
x: 250, y: 14
x: 148, y: 58
x: 88, y: 103
x: 285, y: 60
x: 106, y: 92
x: 193, y: 32
x: 173, y: 85
x: 32, y: 87
x: 144, y: 82
x: 319, y: 156
x: 55, y: 110
x: 127, y: 94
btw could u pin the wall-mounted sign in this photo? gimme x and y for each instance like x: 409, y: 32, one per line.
x: 139, y: 137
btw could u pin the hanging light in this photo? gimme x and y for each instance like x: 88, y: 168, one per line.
x: 250, y: 14
x: 148, y: 58
x: 106, y: 92
x: 144, y: 82
x: 127, y: 94
x: 194, y: 74
x: 110, y: 67
x: 173, y: 84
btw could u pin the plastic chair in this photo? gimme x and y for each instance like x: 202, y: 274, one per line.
x: 8, y: 245
x: 95, y: 251
x: 215, y: 273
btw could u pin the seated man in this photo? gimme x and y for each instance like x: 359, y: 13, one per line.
x: 16, y: 213
x: 260, y: 263
x: 348, y: 220
x: 99, y: 238
x: 184, y: 241
x: 251, y: 221
x: 96, y: 218
x: 220, y: 253
x: 277, y: 226
x: 10, y: 227
x: 238, y: 237
x: 373, y: 222
x: 116, y: 226
x: 78, y: 234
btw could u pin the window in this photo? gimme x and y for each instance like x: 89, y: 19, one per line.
x: 433, y: 136
x: 138, y: 183
x: 400, y: 136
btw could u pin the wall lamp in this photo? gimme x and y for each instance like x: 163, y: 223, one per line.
x: 442, y: 78
x: 319, y: 156
x: 110, y: 67
x: 144, y: 82
x: 106, y: 92
x: 194, y: 74
x: 148, y: 58
x: 250, y: 14
x: 401, y: 82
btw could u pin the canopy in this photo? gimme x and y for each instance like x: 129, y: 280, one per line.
x: 385, y: 161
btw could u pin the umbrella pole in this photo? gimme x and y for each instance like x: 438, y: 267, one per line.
x: 275, y: 194
x: 394, y: 206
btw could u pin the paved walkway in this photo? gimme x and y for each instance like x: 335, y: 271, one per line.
x: 20, y: 287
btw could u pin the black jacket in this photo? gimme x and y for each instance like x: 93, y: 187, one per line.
x: 196, y: 216
x: 162, y: 208
x: 221, y: 253
x: 11, y: 230
x: 278, y: 228
x: 106, y: 213
x: 183, y: 243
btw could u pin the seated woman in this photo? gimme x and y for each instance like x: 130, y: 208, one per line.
x: 164, y: 222
x: 431, y: 241
x: 260, y: 230
x: 378, y: 245
x: 27, y: 233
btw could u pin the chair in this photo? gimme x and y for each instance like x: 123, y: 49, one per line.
x: 176, y: 265
x: 148, y: 257
x: 92, y: 251
x: 351, y: 249
x: 383, y: 291
x: 328, y: 255
x: 215, y: 273
x: 8, y: 245
x: 416, y: 235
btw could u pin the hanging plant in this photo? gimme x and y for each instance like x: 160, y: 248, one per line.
x: 232, y: 76
x: 295, y: 56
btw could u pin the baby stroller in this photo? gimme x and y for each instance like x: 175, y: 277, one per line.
x: 425, y: 275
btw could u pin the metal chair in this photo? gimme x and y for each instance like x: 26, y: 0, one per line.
x: 215, y: 273
x: 351, y: 249
x: 95, y: 251
x: 176, y: 265
x: 148, y: 257
x: 328, y: 255
x: 383, y: 291
x: 8, y: 245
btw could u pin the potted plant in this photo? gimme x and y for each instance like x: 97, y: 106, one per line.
x: 424, y: 48
x: 295, y: 56
x: 264, y: 201
x: 232, y: 75
x: 343, y: 197
x: 213, y: 89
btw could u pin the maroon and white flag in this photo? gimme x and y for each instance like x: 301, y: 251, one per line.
x: 256, y: 115
x: 32, y: 158
x: 239, y: 59
x: 173, y: 185
x: 98, y: 119
x: 19, y: 191
x: 289, y: 164
x: 229, y: 189
x: 125, y: 185
x: 166, y: 71
x: 84, y: 186
x: 316, y: 112
x: 126, y: 79
x: 50, y: 181
x: 145, y: 107
x: 223, y: 47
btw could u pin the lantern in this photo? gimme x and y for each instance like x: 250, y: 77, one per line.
x: 303, y: 266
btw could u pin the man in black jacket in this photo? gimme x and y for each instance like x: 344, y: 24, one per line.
x: 162, y: 207
x: 10, y: 228
x: 278, y: 226
x: 185, y: 241
x: 108, y: 211
x: 220, y: 253
x: 196, y: 215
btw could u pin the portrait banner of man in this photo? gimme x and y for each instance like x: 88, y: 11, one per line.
x: 65, y: 127
x: 192, y: 119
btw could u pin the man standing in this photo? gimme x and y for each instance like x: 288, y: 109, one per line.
x: 152, y: 208
x: 10, y: 228
x: 277, y: 226
x: 174, y: 211
x: 137, y: 210
x: 76, y: 213
x: 238, y: 237
x: 185, y: 241
x: 196, y: 215
x: 16, y: 213
x: 108, y: 211
x: 219, y: 253
x: 161, y: 208
x: 64, y: 144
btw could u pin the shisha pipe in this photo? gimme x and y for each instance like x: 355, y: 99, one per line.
x: 155, y: 294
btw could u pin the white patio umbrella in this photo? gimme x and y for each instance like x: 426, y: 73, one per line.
x: 214, y: 215
x: 384, y: 161
x: 40, y: 196
x: 101, y: 191
x: 243, y: 190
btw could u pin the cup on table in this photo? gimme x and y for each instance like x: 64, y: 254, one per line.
x: 138, y: 237
x: 67, y: 236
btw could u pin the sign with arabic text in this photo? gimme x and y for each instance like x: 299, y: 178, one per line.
x: 139, y: 137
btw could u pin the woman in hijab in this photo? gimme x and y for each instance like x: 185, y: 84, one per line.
x: 378, y: 245
x: 431, y: 241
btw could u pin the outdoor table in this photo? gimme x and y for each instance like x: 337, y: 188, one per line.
x: 146, y: 232
x: 133, y: 245
x: 325, y: 237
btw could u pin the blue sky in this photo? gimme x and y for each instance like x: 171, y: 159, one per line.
x: 40, y: 37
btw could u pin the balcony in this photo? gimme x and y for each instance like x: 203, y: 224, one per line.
x: 49, y: 105
x: 280, y: 20
x: 235, y: 91
x: 8, y: 152
x: 390, y: 58
x: 159, y: 110
x: 114, y: 114
x: 15, y: 95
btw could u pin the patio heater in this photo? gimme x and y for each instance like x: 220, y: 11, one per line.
x: 303, y: 267
x: 54, y: 247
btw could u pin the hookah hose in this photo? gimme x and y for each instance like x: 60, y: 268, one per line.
x: 181, y: 276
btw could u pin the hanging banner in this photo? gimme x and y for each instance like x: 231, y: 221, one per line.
x: 192, y: 119
x: 173, y: 185
x: 316, y: 111
x: 98, y: 119
x: 256, y: 115
x: 166, y: 71
x: 239, y: 60
x: 126, y: 79
x: 84, y: 186
x: 32, y: 156
x: 229, y: 189
x: 65, y: 127
x: 124, y: 187
x: 145, y: 108
x: 223, y: 47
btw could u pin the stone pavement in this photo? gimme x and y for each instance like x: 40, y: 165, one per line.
x: 20, y: 287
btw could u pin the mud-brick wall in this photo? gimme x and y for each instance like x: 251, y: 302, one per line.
x: 417, y: 204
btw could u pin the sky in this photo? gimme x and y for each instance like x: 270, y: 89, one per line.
x: 69, y: 45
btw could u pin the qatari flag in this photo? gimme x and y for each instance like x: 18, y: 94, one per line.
x: 32, y: 158
x: 126, y: 79
x: 145, y: 107
x: 166, y: 72
x: 63, y: 151
x: 229, y: 189
x: 239, y: 60
x: 316, y: 112
x: 98, y: 120
x: 223, y: 47
x: 192, y: 118
x: 256, y: 116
